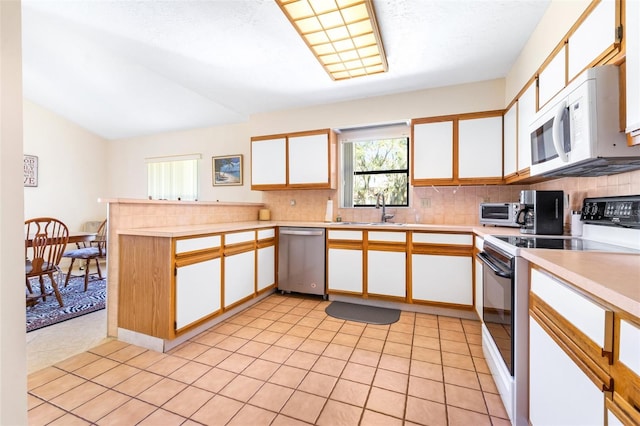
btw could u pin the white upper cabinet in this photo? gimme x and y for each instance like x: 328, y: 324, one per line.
x: 269, y: 162
x: 593, y: 42
x: 309, y: 159
x: 632, y: 30
x: 595, y: 36
x: 472, y: 142
x: 303, y: 160
x: 526, y: 115
x: 553, y: 78
x: 433, y: 150
x: 511, y: 140
x: 480, y: 148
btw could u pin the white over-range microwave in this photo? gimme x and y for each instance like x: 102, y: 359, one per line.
x: 578, y: 132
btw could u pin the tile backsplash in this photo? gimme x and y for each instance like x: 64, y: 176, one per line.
x: 603, y: 186
x: 444, y: 205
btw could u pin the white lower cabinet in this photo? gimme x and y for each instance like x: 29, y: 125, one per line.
x: 386, y: 273
x: 613, y: 420
x: 442, y: 278
x: 624, y: 406
x: 570, y: 354
x: 559, y: 392
x: 197, y: 291
x: 344, y: 268
x: 266, y: 267
x: 239, y: 277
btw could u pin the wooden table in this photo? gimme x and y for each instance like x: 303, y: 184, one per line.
x: 81, y: 237
x: 74, y: 237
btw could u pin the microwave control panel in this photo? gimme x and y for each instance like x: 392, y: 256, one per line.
x: 615, y: 211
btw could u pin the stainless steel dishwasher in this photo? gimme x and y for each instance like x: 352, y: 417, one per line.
x: 301, y: 256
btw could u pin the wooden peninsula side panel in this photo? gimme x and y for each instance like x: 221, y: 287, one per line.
x: 145, y: 297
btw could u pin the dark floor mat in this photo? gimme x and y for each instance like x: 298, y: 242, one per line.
x: 362, y: 313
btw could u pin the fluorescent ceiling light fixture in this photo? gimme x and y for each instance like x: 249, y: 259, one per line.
x: 342, y: 34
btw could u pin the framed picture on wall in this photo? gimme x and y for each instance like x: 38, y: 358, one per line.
x: 30, y: 170
x: 227, y: 170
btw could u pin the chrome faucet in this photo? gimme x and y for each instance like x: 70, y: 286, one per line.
x: 385, y: 217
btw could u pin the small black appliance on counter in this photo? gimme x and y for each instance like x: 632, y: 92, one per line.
x: 541, y: 212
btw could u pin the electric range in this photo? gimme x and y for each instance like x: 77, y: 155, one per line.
x: 559, y: 243
x: 610, y: 224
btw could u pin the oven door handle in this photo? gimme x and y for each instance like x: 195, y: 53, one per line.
x: 495, y: 268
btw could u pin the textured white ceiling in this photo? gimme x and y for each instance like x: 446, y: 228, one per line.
x: 126, y: 68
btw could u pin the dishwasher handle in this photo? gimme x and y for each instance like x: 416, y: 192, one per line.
x: 299, y: 232
x: 501, y: 272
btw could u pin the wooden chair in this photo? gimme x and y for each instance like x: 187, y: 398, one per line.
x: 94, y: 250
x: 45, y: 241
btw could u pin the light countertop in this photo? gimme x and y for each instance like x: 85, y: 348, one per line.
x: 614, y: 278
x: 179, y: 202
x: 194, y: 230
x: 191, y: 230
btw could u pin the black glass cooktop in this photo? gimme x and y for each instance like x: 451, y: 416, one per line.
x: 559, y: 243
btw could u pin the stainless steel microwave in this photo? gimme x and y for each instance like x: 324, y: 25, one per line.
x: 499, y: 214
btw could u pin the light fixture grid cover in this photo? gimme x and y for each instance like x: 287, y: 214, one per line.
x: 331, y: 34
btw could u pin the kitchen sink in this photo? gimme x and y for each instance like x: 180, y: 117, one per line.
x: 368, y: 223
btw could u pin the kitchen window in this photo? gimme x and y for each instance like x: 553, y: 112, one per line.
x: 375, y: 160
x: 173, y: 178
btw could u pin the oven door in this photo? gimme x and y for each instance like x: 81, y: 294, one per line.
x: 498, y: 301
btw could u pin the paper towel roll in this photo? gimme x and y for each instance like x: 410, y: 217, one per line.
x: 264, y: 214
x: 329, y: 214
x: 576, y: 224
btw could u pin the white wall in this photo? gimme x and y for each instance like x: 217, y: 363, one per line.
x: 472, y: 97
x: 72, y: 169
x: 13, y: 357
x: 127, y: 169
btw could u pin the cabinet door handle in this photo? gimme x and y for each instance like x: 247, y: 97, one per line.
x: 304, y: 233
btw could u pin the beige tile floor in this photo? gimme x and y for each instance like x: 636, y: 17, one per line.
x: 283, y: 361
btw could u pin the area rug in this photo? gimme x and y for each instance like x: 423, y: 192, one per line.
x: 77, y: 302
x: 362, y: 313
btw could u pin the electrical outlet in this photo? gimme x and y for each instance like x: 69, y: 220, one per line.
x: 425, y: 202
x: 292, y: 202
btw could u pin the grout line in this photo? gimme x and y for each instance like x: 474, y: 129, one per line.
x: 278, y: 308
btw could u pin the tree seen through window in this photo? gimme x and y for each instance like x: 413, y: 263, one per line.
x: 380, y: 166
